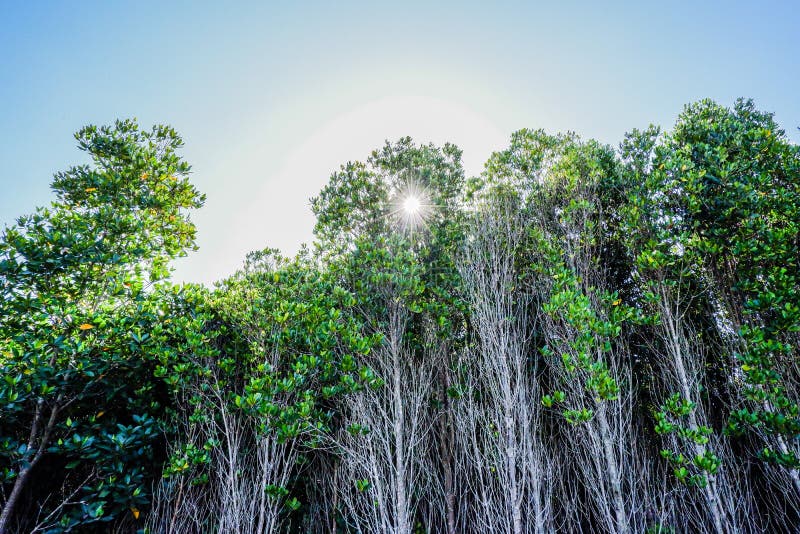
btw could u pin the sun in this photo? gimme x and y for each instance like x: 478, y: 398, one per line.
x: 411, y: 207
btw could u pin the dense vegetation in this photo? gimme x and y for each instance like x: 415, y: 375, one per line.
x: 582, y: 338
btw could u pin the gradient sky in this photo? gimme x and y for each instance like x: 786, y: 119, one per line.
x: 270, y: 98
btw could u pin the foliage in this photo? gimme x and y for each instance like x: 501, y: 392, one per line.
x: 739, y: 202
x: 580, y: 338
x: 75, y: 335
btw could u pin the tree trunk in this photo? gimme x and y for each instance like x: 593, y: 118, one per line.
x: 8, y: 508
x: 621, y: 518
x: 400, y: 505
x: 24, y: 473
x: 447, y: 444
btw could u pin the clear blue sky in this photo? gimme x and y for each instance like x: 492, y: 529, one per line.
x: 271, y: 97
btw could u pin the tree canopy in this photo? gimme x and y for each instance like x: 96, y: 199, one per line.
x: 581, y: 338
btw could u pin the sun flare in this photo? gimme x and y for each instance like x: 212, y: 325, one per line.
x: 411, y: 207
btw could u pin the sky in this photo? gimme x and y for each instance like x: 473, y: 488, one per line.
x: 271, y: 97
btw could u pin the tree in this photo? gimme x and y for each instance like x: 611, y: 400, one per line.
x: 284, y: 346
x: 399, y: 265
x: 575, y: 272
x: 678, y: 352
x: 75, y: 323
x: 728, y: 181
x: 498, y: 410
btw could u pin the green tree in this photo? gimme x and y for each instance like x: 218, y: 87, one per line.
x: 399, y: 264
x: 676, y: 343
x: 76, y: 316
x: 266, y: 357
x: 732, y: 183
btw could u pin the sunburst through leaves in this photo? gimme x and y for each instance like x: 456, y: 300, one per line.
x: 411, y: 207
